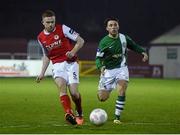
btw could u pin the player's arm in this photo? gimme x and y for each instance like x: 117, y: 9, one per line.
x: 99, y: 56
x: 137, y: 48
x: 99, y: 65
x: 145, y: 56
x: 71, y: 34
x: 79, y: 44
x: 45, y: 64
x: 99, y: 59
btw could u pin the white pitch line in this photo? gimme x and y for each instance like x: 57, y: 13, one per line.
x: 88, y: 124
x: 150, y: 123
x: 43, y: 125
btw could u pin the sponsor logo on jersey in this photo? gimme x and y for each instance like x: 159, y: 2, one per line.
x: 117, y: 55
x: 54, y: 45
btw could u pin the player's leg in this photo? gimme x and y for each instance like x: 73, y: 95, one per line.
x: 103, y: 95
x: 76, y: 97
x: 122, y: 83
x: 60, y: 77
x: 120, y: 101
x: 73, y: 77
x: 106, y: 85
x: 65, y: 100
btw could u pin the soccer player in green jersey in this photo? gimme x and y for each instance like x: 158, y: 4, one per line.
x: 111, y: 60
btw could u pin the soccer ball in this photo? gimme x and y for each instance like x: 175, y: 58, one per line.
x: 98, y: 116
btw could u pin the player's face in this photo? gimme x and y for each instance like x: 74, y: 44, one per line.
x: 49, y: 23
x: 112, y: 27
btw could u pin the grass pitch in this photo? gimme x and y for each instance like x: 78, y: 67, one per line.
x: 152, y: 106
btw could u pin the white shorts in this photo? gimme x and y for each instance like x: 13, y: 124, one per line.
x: 109, y: 80
x: 68, y: 71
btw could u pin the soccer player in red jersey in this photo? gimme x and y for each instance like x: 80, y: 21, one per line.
x: 55, y: 41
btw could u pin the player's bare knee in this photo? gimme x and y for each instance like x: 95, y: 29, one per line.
x: 75, y: 95
x: 122, y: 88
x: 122, y: 93
x: 102, y: 97
x: 62, y: 93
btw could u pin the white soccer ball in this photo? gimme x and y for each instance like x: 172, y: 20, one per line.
x: 98, y: 116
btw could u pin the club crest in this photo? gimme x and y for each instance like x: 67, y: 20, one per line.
x: 56, y: 37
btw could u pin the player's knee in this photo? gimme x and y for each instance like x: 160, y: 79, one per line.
x: 62, y: 89
x: 102, y: 98
x: 122, y: 93
x: 122, y: 88
x: 75, y: 95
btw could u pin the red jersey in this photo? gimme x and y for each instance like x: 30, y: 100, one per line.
x: 57, y: 43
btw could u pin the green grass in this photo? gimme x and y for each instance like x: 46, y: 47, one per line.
x: 152, y: 106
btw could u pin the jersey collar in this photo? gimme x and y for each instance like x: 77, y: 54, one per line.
x: 47, y: 33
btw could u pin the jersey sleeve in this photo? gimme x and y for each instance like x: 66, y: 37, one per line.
x: 70, y: 33
x: 44, y: 50
x: 133, y: 46
x: 99, y: 57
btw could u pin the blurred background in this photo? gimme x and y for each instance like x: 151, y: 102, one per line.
x: 152, y: 24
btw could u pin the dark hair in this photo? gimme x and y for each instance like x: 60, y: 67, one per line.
x: 110, y: 19
x: 48, y: 13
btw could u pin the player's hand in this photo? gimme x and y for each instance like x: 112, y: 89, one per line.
x: 39, y: 78
x: 145, y: 57
x: 102, y: 70
x: 70, y: 54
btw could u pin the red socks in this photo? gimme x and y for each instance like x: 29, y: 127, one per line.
x: 66, y: 103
